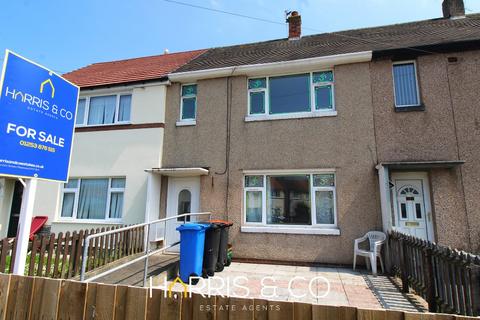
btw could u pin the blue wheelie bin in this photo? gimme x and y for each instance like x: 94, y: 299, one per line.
x: 192, y: 244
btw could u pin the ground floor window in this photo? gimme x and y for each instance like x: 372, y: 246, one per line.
x: 290, y: 199
x: 97, y: 199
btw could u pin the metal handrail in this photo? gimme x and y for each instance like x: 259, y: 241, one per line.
x: 147, y: 253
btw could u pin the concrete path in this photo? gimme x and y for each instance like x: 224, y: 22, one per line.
x: 317, y: 285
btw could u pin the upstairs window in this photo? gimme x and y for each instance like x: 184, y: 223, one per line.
x: 323, y: 90
x: 405, y: 85
x: 104, y: 110
x: 257, y: 89
x: 291, y: 96
x: 188, y: 109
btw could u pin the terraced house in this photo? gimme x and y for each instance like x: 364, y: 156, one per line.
x: 306, y: 143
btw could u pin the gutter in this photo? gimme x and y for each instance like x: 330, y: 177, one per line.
x: 273, y: 67
x: 129, y: 85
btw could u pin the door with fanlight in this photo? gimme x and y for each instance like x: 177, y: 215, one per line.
x: 183, y: 197
x: 412, y: 206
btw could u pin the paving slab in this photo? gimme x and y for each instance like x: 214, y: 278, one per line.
x: 316, y: 285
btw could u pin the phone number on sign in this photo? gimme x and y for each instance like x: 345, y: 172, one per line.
x: 34, y: 145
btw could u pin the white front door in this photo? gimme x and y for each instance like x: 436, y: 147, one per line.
x: 183, y: 196
x: 412, y: 205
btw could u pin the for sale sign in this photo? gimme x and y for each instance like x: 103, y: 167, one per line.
x: 37, y: 119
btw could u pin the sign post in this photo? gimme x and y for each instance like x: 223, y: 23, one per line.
x: 24, y: 225
x: 37, y: 120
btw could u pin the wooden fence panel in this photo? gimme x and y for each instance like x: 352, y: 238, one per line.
x: 280, y: 310
x: 45, y: 298
x: 153, y: 304
x: 5, y: 251
x: 120, y: 302
x: 50, y: 255
x: 91, y: 301
x: 71, y: 258
x: 19, y: 297
x: 33, y: 256
x: 302, y: 311
x: 105, y: 301
x: 170, y: 307
x: 187, y: 308
x: 136, y: 307
x: 64, y: 252
x: 41, y: 255
x: 202, y: 307
x: 73, y: 296
x: 4, y: 287
x: 261, y: 309
x: 393, y: 315
x: 239, y: 309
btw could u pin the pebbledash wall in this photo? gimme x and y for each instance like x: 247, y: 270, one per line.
x: 344, y: 142
x: 122, y: 150
x: 367, y: 130
x: 448, y: 129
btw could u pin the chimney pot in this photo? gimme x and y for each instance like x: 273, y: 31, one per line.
x: 294, y: 25
x: 453, y: 9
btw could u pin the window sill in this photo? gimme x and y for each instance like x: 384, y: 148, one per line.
x: 266, y: 117
x: 186, y: 123
x: 77, y: 126
x: 410, y: 108
x: 292, y: 230
x: 112, y: 222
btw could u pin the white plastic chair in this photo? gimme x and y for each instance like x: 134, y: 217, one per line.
x: 376, y: 239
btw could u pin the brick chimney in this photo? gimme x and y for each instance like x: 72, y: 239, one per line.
x: 294, y: 25
x: 453, y: 9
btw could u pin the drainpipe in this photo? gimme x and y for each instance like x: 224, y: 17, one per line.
x: 227, y: 143
x: 385, y: 201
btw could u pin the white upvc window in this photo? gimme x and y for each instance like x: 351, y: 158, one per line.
x: 93, y: 199
x: 188, y: 105
x: 291, y: 96
x: 290, y: 199
x: 405, y: 84
x: 108, y: 109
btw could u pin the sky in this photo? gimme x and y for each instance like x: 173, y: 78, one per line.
x: 65, y: 34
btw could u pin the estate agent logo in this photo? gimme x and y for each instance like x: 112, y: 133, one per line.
x: 171, y: 285
x: 48, y: 81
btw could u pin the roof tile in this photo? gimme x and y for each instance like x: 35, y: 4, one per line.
x: 130, y: 70
x: 405, y: 35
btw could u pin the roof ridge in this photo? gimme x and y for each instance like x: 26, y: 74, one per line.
x: 473, y: 15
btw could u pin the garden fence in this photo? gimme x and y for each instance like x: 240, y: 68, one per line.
x: 59, y: 256
x: 448, y: 279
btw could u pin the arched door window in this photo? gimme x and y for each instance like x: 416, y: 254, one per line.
x: 184, y: 203
x: 411, y: 203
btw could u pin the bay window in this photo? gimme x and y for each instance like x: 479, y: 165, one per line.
x: 93, y: 198
x: 299, y: 199
x: 104, y: 110
x: 290, y: 96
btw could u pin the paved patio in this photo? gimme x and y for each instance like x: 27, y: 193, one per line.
x: 309, y: 284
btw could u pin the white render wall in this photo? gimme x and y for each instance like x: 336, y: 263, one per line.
x: 6, y: 194
x: 110, y: 153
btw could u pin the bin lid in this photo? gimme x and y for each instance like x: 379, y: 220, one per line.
x: 193, y: 226
x: 210, y: 225
x: 226, y: 223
